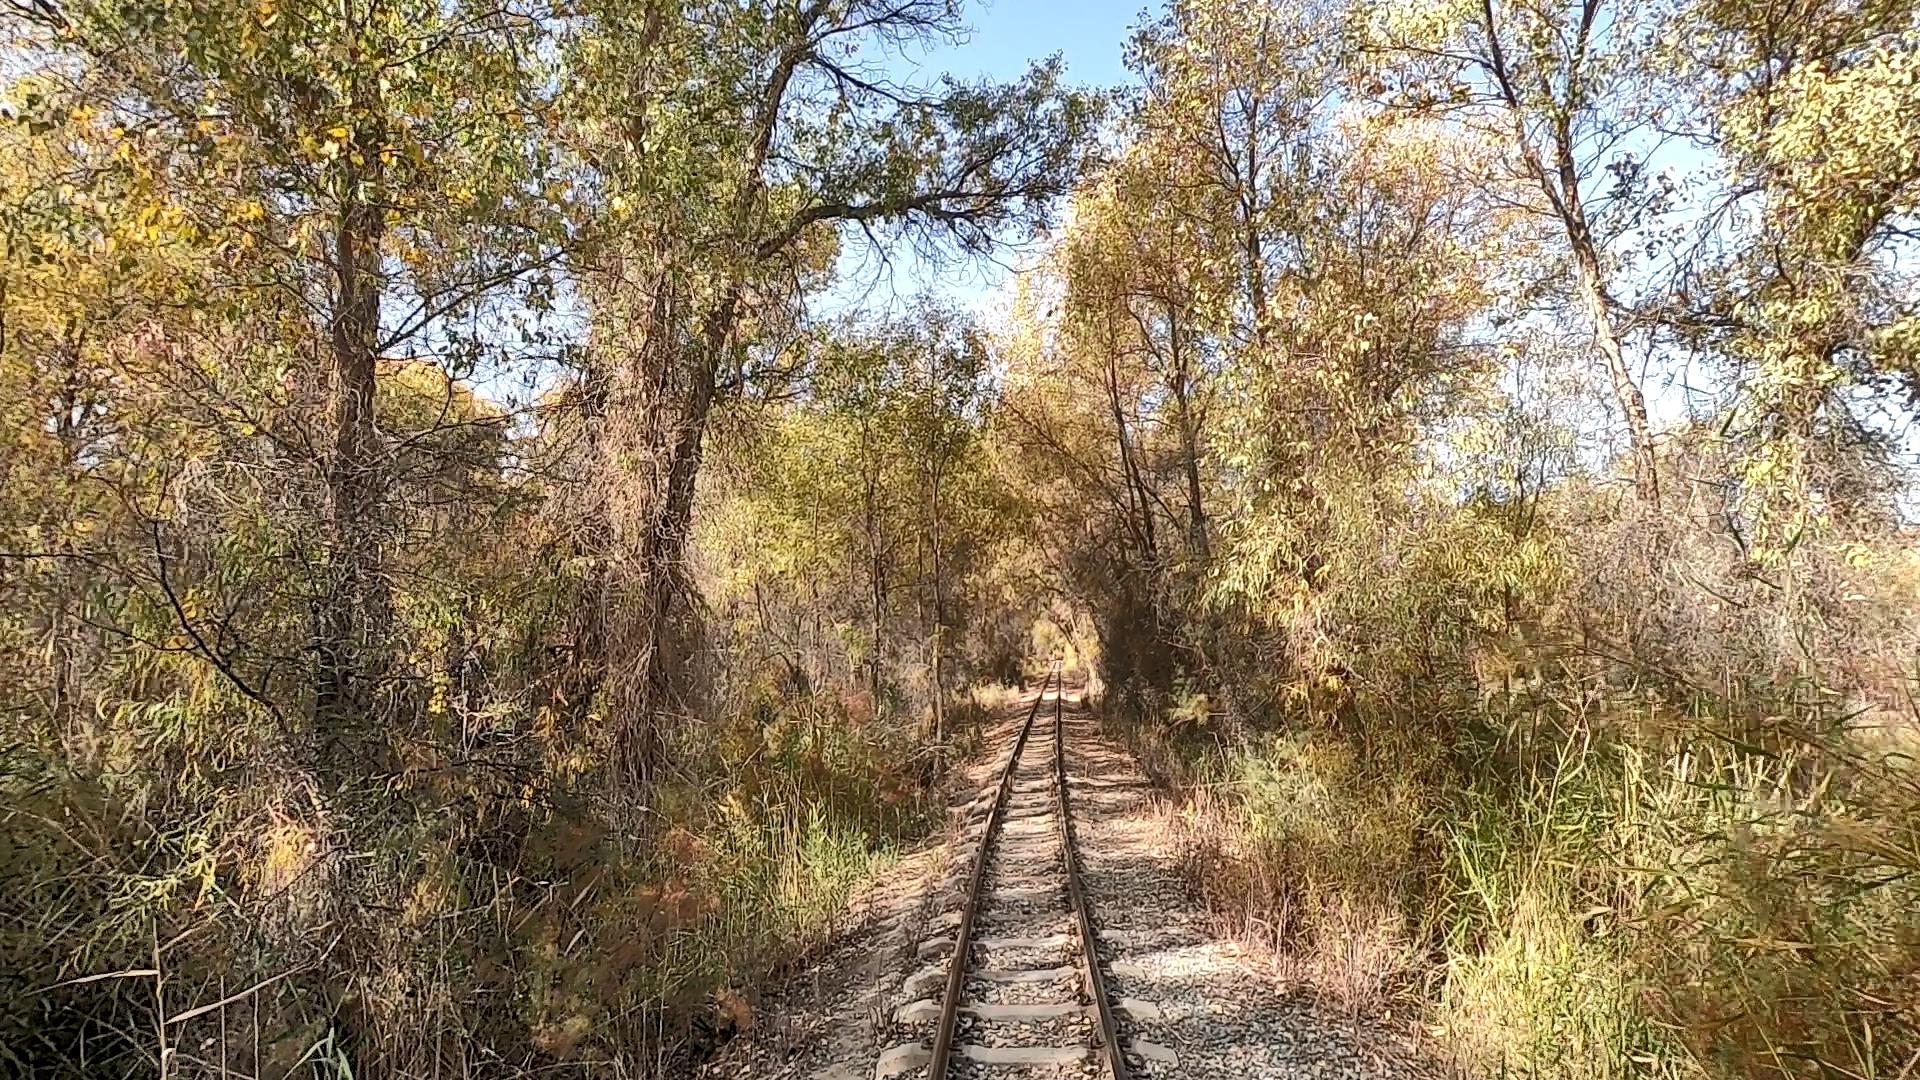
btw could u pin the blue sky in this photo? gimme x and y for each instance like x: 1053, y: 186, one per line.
x: 1010, y: 33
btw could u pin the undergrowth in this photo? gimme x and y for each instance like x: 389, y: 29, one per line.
x: 1681, y: 856
x: 1567, y: 900
x: 508, y: 935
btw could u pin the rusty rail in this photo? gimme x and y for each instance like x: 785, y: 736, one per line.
x: 963, y: 937
x: 1089, y: 944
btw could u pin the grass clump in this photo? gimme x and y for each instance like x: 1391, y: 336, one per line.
x: 1311, y: 851
x: 514, y: 936
x: 1587, y: 828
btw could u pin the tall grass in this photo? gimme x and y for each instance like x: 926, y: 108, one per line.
x: 1593, y: 818
x: 1572, y: 900
x: 501, y: 936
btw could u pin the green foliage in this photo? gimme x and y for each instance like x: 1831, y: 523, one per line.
x: 359, y: 718
x: 356, y: 363
x: 1607, y: 791
x: 1816, y: 116
x: 1583, y: 874
x: 865, y: 501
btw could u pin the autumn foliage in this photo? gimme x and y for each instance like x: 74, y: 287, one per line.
x: 1483, y: 460
x: 477, y: 597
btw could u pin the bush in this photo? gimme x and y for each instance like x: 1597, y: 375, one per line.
x: 496, y: 937
x: 1597, y: 819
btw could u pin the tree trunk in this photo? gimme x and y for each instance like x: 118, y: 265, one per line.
x: 939, y: 617
x: 876, y: 587
x: 64, y: 626
x: 351, y: 617
x: 1646, y: 476
x: 1249, y: 196
x: 649, y: 590
x: 1140, y: 509
x: 1561, y: 186
x: 1189, y: 436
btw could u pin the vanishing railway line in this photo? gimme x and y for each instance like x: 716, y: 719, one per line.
x: 1024, y: 992
x: 1055, y: 938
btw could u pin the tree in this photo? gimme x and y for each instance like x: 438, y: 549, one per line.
x: 1233, y: 95
x: 1563, y: 89
x: 863, y: 492
x: 363, y: 170
x: 942, y: 408
x: 1814, y: 112
x: 786, y: 136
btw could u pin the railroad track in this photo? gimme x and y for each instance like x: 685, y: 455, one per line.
x: 1024, y: 991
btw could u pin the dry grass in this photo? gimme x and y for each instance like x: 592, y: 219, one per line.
x: 504, y: 938
x: 1673, y: 832
x: 1292, y: 859
x: 1600, y: 913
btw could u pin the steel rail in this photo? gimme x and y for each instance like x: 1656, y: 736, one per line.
x: 963, y: 937
x: 1089, y: 944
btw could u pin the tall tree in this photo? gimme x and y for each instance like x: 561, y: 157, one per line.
x: 946, y: 376
x: 769, y: 112
x: 1233, y: 94
x: 1563, y: 88
x: 368, y: 167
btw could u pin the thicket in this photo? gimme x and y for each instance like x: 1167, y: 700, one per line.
x: 466, y: 610
x: 1482, y: 437
x: 461, y: 611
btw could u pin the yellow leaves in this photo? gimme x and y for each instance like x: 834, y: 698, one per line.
x: 1832, y: 126
x: 286, y: 851
x: 159, y: 223
x: 1416, y: 22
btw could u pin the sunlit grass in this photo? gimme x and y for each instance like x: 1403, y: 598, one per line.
x: 1573, y: 900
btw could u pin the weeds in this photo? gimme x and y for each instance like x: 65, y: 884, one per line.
x: 1593, y: 907
x: 1588, y: 837
x: 513, y: 938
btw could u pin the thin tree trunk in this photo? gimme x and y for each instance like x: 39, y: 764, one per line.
x: 1561, y: 186
x: 65, y: 626
x: 1189, y: 435
x: 876, y: 587
x: 351, y: 620
x: 1256, y: 268
x: 1139, y: 507
x: 1626, y: 391
x: 939, y: 617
